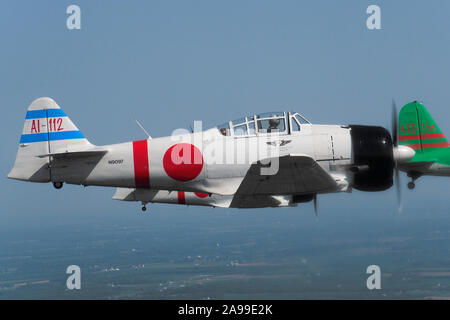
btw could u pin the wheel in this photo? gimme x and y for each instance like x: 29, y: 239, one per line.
x: 58, y: 185
x: 144, y: 208
x: 411, y: 185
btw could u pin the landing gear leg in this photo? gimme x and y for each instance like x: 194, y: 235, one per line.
x: 58, y: 185
x: 414, y: 176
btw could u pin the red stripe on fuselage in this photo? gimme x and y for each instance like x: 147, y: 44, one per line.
x: 181, y: 197
x: 141, y: 167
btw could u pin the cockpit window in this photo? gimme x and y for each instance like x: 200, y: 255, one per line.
x: 271, y: 122
x: 240, y: 130
x: 271, y: 125
x: 270, y: 114
x: 243, y: 126
x: 295, y: 126
x: 301, y: 119
x: 239, y: 121
x: 251, y: 128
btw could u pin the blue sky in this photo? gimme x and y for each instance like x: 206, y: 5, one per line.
x: 168, y: 63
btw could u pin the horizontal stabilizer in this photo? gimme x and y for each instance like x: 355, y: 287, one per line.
x: 74, y: 154
x: 125, y: 194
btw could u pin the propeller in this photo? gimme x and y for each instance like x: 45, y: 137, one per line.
x: 315, y: 204
x: 396, y: 155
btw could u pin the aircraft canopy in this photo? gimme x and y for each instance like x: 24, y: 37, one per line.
x: 264, y: 123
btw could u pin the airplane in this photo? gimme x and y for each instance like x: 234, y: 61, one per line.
x: 274, y: 159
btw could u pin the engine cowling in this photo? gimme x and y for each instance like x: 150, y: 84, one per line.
x: 372, y: 149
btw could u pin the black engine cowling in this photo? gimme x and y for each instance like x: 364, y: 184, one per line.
x: 372, y: 148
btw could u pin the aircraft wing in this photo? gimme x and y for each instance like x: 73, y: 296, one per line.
x: 422, y: 166
x: 297, y: 174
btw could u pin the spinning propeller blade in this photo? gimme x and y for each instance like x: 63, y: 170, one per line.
x: 394, y: 132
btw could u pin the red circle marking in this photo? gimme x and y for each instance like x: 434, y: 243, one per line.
x: 180, y: 165
x: 201, y: 194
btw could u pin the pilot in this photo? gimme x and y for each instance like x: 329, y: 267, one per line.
x: 223, y: 131
x: 273, y: 124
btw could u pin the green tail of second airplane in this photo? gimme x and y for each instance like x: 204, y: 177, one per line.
x: 419, y: 131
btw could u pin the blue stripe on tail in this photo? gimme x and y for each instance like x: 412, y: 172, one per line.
x: 51, y: 113
x: 39, y: 137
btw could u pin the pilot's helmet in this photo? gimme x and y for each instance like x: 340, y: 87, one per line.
x: 274, y: 122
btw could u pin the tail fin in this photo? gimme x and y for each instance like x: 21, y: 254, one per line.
x: 418, y: 130
x: 47, y: 130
